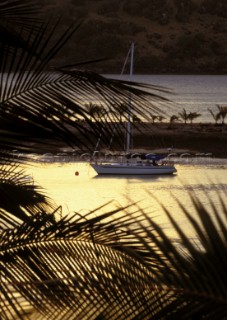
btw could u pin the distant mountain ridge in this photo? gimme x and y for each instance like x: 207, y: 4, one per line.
x: 171, y: 36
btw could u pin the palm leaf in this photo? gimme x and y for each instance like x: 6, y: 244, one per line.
x: 64, y: 261
x: 38, y: 102
x: 19, y: 196
x: 16, y: 19
x: 195, y: 271
x: 117, y: 267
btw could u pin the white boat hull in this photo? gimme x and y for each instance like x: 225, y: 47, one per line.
x: 132, y: 169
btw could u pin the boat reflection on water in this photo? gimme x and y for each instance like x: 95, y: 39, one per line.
x: 135, y: 178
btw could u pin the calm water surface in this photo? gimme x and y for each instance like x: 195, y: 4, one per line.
x: 87, y: 191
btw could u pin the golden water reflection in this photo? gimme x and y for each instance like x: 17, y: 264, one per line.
x: 86, y: 191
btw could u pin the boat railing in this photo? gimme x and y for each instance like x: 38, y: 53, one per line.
x: 167, y: 162
x: 132, y: 161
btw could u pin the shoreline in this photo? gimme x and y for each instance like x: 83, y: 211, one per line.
x: 195, y: 138
x: 178, y: 137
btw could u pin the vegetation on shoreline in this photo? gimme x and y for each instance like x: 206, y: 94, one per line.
x: 178, y: 132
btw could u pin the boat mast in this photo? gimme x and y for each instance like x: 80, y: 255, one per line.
x: 129, y: 104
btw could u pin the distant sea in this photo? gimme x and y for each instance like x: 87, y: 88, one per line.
x: 195, y: 93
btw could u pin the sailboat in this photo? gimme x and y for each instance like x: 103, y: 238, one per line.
x: 148, y: 166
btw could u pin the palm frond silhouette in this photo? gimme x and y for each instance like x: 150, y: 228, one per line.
x: 97, y: 266
x: 40, y: 101
x: 116, y: 266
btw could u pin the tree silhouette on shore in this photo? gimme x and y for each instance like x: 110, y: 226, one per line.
x: 220, y: 114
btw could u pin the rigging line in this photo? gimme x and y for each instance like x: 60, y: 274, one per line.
x: 123, y: 69
x: 128, y: 146
x: 122, y: 72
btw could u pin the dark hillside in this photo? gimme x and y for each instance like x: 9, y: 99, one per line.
x: 171, y: 36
